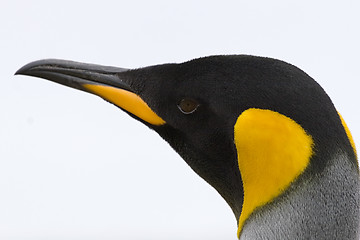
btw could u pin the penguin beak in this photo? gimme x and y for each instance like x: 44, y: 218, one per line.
x: 100, y: 80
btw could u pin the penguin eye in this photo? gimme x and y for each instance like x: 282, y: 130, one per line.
x: 188, y: 106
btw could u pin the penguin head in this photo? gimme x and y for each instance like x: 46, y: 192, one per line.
x: 195, y: 105
x: 201, y: 100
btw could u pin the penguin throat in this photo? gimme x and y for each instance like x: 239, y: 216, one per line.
x: 273, y: 150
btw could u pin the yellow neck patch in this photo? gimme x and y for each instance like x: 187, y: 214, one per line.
x: 126, y: 100
x: 273, y: 150
x: 348, y: 133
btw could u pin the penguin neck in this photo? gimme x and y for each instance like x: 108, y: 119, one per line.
x: 218, y: 168
x: 273, y: 150
x: 322, y: 206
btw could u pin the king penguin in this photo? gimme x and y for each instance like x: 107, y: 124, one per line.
x: 261, y: 131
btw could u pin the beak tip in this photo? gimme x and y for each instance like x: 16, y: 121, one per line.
x: 26, y: 69
x: 21, y: 71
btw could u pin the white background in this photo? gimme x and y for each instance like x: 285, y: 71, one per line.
x: 75, y: 167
